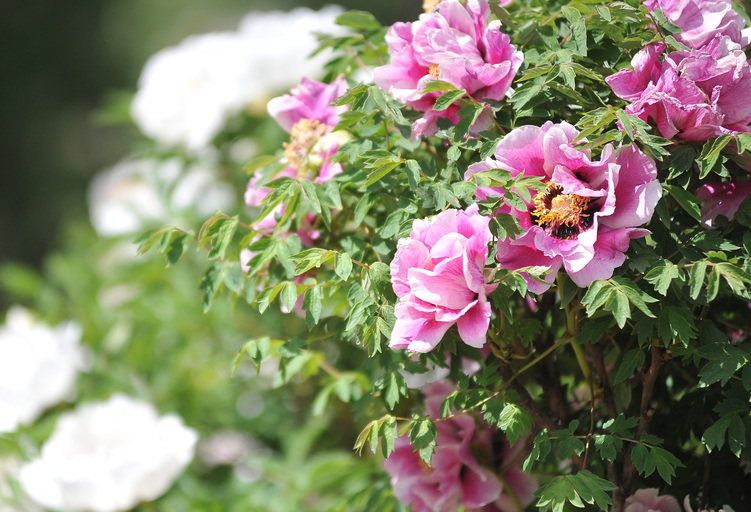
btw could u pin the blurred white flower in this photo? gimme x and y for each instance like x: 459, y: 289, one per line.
x: 187, y: 92
x: 109, y: 456
x: 38, y: 366
x: 282, y: 42
x: 140, y: 193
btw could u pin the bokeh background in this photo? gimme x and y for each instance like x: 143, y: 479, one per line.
x: 69, y: 70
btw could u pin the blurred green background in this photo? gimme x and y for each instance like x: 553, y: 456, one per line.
x: 63, y: 63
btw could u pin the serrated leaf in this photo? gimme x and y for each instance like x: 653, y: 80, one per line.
x: 662, y: 274
x: 515, y: 422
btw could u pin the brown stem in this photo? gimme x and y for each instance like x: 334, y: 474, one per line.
x: 649, y: 378
x: 602, y: 373
x: 595, y: 350
x: 548, y: 374
x: 527, y: 402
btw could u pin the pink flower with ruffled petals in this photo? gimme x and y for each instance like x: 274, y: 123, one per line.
x: 309, y: 100
x: 307, y: 114
x: 455, y: 477
x: 589, y: 211
x: 721, y: 199
x: 437, y: 273
x: 694, y: 95
x: 647, y: 500
x: 457, y: 44
x: 701, y: 20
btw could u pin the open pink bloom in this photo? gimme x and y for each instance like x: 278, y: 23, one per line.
x: 588, y: 212
x: 437, y: 273
x: 647, y: 500
x: 701, y: 20
x: 456, y: 44
x: 307, y: 114
x: 310, y: 100
x: 694, y: 95
x: 721, y: 199
x: 456, y: 477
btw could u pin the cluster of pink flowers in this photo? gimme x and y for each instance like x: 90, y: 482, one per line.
x: 694, y: 95
x: 649, y: 500
x: 701, y: 20
x: 437, y: 273
x: 457, y: 44
x: 589, y: 211
x: 697, y: 94
x: 456, y: 477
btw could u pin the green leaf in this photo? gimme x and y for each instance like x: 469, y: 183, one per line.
x: 696, y: 278
x: 423, y: 436
x: 540, y: 450
x: 710, y: 154
x: 662, y: 274
x: 686, y: 200
x: 360, y: 20
x: 515, y: 422
x: 608, y: 447
x: 447, y: 99
x: 438, y: 85
x: 259, y: 162
x: 583, y: 487
x: 394, y: 386
x: 714, y: 436
x: 309, y: 190
x: 388, y: 434
x: 366, y: 436
x: 379, y: 171
x: 343, y: 265
x: 313, y: 305
x: 632, y: 360
x: 288, y: 295
x: 257, y: 349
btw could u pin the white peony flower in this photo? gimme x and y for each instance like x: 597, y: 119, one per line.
x: 286, y: 39
x: 140, y: 193
x: 109, y: 456
x: 38, y: 366
x: 187, y: 92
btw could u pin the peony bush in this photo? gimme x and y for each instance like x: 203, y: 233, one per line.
x: 515, y: 237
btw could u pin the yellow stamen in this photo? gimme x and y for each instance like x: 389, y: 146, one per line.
x: 303, y: 136
x: 434, y: 70
x: 430, y: 6
x: 554, y: 210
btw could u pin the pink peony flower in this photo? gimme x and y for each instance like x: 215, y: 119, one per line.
x: 694, y: 95
x: 456, y: 477
x: 721, y: 199
x: 588, y: 212
x: 701, y: 20
x: 437, y: 273
x: 647, y: 500
x: 456, y: 44
x: 309, y: 117
x: 310, y: 100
